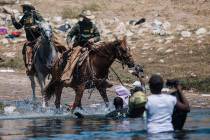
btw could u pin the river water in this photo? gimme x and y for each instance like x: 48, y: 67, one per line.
x: 36, y: 124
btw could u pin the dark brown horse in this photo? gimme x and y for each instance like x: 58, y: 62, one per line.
x: 93, y: 71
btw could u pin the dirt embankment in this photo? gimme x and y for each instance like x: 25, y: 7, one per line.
x: 16, y: 86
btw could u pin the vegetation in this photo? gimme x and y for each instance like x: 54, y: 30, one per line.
x: 73, y: 12
x: 16, y: 63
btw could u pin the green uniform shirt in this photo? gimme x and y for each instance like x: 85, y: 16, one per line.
x: 29, y: 19
x: 82, y: 32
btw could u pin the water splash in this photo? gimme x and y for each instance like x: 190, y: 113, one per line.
x: 27, y: 109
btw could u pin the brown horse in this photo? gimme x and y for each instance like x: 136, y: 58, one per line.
x: 93, y: 71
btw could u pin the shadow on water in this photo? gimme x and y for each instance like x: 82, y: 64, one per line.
x: 59, y: 128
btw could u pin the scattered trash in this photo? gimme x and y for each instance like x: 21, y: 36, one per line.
x: 7, y: 70
x: 142, y: 20
x: 10, y: 37
x: 137, y: 22
x: 3, y: 30
x: 201, y: 31
x: 65, y: 27
x: 16, y: 33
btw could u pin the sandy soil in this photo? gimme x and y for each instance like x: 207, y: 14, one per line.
x: 16, y: 86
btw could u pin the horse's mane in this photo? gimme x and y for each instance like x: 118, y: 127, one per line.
x: 104, y: 45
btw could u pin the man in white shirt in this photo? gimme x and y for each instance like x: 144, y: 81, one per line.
x: 160, y: 107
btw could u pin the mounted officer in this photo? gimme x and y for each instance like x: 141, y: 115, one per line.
x: 84, y: 32
x: 29, y: 21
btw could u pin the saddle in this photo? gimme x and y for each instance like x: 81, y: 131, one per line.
x: 73, y: 59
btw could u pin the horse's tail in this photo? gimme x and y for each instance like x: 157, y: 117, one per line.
x: 50, y: 89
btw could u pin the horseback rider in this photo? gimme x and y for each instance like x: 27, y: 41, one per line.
x: 29, y: 21
x: 84, y: 32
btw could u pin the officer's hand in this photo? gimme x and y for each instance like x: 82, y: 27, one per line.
x: 91, y: 41
x: 34, y: 28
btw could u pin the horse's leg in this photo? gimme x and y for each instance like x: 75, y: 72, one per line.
x: 33, y: 86
x: 58, y: 93
x: 79, y: 93
x: 41, y: 81
x: 103, y: 94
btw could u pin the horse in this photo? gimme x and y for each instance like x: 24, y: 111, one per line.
x: 44, y: 56
x: 93, y: 71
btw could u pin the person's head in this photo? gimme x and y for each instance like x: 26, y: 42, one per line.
x: 87, y: 15
x: 27, y: 7
x: 156, y: 84
x: 118, y: 103
x: 136, y: 86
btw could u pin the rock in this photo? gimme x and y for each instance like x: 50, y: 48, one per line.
x: 168, y: 41
x: 160, y: 49
x: 129, y: 33
x: 160, y: 28
x: 201, y: 31
x: 190, y: 52
x: 169, y: 51
x: 199, y: 41
x: 193, y: 75
x: 142, y: 31
x: 162, y: 61
x: 186, y: 34
x: 9, y: 54
x: 7, y: 70
x: 150, y: 59
x: 160, y: 40
x: 120, y: 29
x: 4, y: 41
x: 57, y: 19
x: 9, y: 109
x: 180, y: 27
x: 170, y: 38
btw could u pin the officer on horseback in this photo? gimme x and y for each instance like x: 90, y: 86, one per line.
x: 84, y: 32
x: 29, y: 21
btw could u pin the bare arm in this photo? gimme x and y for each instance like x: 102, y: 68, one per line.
x: 184, y: 105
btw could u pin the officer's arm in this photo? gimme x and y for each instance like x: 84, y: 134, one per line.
x: 96, y: 34
x: 74, y: 31
x: 38, y: 16
x: 18, y: 25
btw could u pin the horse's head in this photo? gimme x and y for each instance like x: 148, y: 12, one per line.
x: 46, y: 30
x: 123, y: 52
